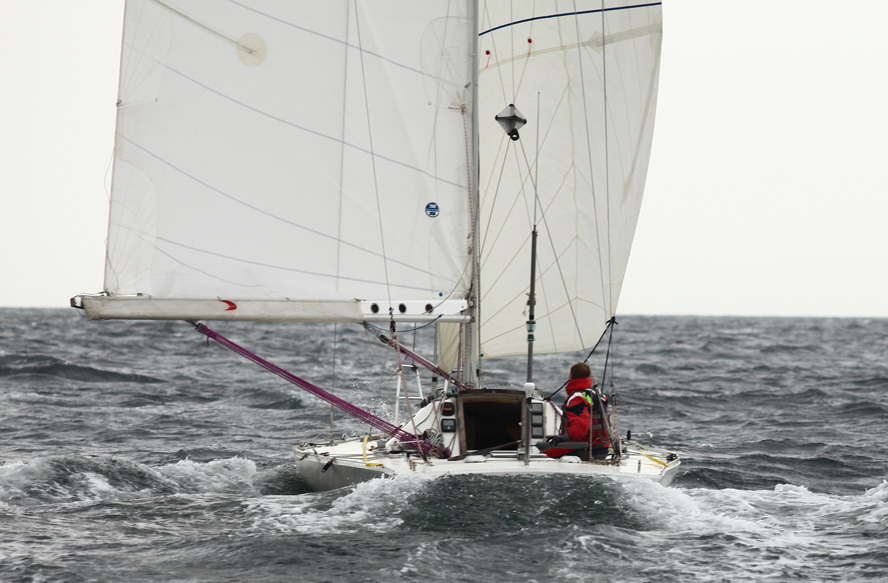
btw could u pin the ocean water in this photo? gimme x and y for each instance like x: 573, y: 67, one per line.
x: 134, y: 451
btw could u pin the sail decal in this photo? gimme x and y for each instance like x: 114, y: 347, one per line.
x: 573, y: 13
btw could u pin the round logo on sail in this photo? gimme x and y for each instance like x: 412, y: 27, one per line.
x: 432, y: 209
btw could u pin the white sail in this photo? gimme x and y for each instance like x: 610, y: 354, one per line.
x: 284, y: 160
x: 585, y: 73
x: 315, y: 161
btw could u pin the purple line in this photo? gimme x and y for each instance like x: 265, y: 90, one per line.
x: 345, y: 406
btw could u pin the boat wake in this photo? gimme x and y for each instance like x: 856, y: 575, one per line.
x: 575, y: 524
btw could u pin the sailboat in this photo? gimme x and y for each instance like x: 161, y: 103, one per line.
x: 472, y: 166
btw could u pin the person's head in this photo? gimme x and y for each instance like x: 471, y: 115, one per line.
x: 580, y: 370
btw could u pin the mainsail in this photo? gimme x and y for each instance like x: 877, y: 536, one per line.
x: 290, y: 161
x: 340, y: 161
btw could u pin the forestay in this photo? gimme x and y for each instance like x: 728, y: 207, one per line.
x: 283, y: 160
x: 587, y: 78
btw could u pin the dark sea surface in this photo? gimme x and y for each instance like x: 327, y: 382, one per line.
x: 133, y: 451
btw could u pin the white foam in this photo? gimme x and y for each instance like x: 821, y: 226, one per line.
x: 231, y: 475
x: 372, y: 506
x: 787, y: 528
x: 13, y: 479
x: 88, y: 479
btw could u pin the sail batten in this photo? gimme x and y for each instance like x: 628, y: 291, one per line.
x: 568, y: 14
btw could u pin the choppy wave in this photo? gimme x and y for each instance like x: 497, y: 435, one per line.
x: 57, y: 368
x: 72, y: 479
x: 639, y: 529
x: 135, y: 451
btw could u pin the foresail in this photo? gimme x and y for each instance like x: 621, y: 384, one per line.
x: 584, y: 74
x: 306, y: 159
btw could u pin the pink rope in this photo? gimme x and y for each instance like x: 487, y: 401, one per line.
x: 341, y: 404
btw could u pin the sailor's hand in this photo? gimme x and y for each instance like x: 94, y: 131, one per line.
x: 557, y: 439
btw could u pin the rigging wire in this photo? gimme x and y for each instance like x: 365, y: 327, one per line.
x: 342, y: 155
x: 370, y: 325
x: 557, y: 262
x: 589, y: 145
x: 333, y: 389
x: 612, y: 350
x: 610, y: 323
x: 373, y: 158
x: 611, y: 308
x: 339, y: 211
x: 402, y: 380
x: 495, y: 196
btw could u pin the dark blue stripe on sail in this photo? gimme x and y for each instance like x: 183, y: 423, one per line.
x: 570, y: 14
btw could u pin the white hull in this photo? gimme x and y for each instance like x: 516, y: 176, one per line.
x: 327, y: 467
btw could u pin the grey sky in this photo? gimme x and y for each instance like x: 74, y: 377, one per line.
x: 767, y: 192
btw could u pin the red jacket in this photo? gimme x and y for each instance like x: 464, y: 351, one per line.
x: 580, y: 421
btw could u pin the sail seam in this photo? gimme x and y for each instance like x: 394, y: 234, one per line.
x: 342, y: 42
x: 266, y: 213
x: 269, y: 265
x: 372, y: 154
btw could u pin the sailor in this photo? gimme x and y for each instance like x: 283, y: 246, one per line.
x: 583, y: 424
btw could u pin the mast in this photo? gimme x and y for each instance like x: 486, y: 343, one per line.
x: 531, y: 300
x: 529, y: 387
x: 531, y: 325
x: 471, y: 360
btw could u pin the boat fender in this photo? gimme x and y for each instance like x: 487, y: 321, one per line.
x: 327, y: 465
